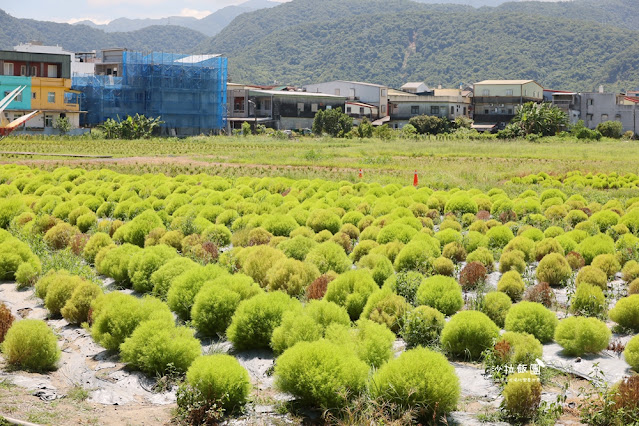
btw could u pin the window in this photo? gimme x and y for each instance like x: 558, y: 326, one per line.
x: 351, y: 93
x: 414, y: 110
x: 361, y: 111
x: 33, y: 95
x: 23, y: 70
x: 17, y: 98
x: 589, y: 117
x: 8, y: 68
x: 604, y: 117
x: 48, y: 120
x: 383, y: 93
x: 300, y: 106
x: 383, y: 109
x: 52, y: 71
x: 238, y: 104
x: 510, y: 111
x: 337, y: 93
x: 266, y: 105
x: 313, y: 107
x: 509, y: 92
x: 486, y: 111
x: 51, y: 97
x: 591, y: 101
x: 34, y: 71
x: 464, y: 110
x: 434, y: 110
x: 503, y: 110
x: 485, y: 92
x: 452, y: 110
x: 348, y: 110
x: 618, y: 117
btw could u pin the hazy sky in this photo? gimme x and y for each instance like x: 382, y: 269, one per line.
x: 102, y: 11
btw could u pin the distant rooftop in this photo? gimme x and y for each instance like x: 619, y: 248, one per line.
x: 511, y: 82
x: 196, y: 59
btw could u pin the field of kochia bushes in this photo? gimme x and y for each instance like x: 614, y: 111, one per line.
x: 326, y: 274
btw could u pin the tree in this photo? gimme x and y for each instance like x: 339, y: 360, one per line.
x: 365, y: 129
x: 541, y: 119
x: 246, y: 129
x: 610, y: 129
x: 332, y: 122
x: 63, y: 125
x: 426, y: 124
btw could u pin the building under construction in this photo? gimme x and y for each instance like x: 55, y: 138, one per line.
x: 188, y: 92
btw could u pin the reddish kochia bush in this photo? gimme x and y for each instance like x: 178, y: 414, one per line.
x: 77, y: 243
x: 508, y: 216
x: 575, y: 260
x: 472, y: 274
x: 540, y: 293
x: 6, y: 319
x: 317, y: 289
x: 626, y: 399
x: 483, y: 215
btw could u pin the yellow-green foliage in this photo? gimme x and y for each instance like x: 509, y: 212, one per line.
x: 387, y: 308
x: 468, y: 334
x: 59, y: 290
x: 299, y: 246
x: 593, y: 246
x: 444, y: 266
x: 370, y: 341
x: 483, y: 256
x: 155, y: 347
x: 499, y: 236
x: 97, y: 242
x: 554, y: 269
x: 321, y: 374
x: 512, y: 284
x: 31, y: 345
x: 291, y: 276
x: 329, y: 256
x: 186, y: 286
x: 308, y: 325
x: 164, y: 276
x: 135, y: 231
x: 255, y: 319
x: 579, y: 335
x: 441, y: 293
x: 522, y: 395
x: 116, y: 315
x: 418, y: 254
x: 76, y: 308
x: 607, y: 263
x: 593, y: 276
x: 422, y: 326
x: 219, y: 380
x: 588, y: 300
x: 351, y: 290
x: 496, y: 305
x: 512, y: 260
x: 13, y: 254
x: 145, y: 262
x: 523, y: 348
x: 259, y: 260
x: 626, y: 312
x: 631, y: 353
x: 418, y: 379
x: 115, y: 262
x: 532, y: 318
x: 405, y: 284
x: 60, y: 235
x: 320, y: 220
x: 630, y: 271
x: 547, y: 246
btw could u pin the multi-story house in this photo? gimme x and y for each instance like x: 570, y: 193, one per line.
x: 442, y: 103
x: 47, y: 77
x: 364, y: 99
x: 496, y: 101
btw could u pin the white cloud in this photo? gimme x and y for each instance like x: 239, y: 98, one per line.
x: 193, y: 13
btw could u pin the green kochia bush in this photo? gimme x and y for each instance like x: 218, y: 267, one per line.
x: 308, y: 325
x: 135, y: 231
x: 31, y: 345
x: 579, y: 335
x: 297, y: 247
x: 417, y: 255
x: 626, y: 312
x: 518, y: 348
x: 588, y: 300
x: 469, y: 333
x: 97, y: 242
x: 422, y: 326
x: 164, y: 276
x: 116, y: 315
x: 329, y: 256
x: 156, y: 346
x: 522, y: 395
x: 591, y: 247
x: 76, y: 308
x: 145, y: 262
x: 59, y: 290
x: 421, y: 380
x: 532, y: 318
x: 593, y: 276
x: 554, y: 269
x: 441, y: 293
x: 291, y: 276
x: 185, y: 287
x: 405, y: 284
x: 320, y: 220
x: 496, y: 305
x: 255, y: 319
x: 13, y: 254
x: 115, y: 263
x: 387, y: 308
x: 631, y: 353
x: 512, y: 284
x: 320, y: 374
x: 370, y: 341
x: 218, y: 380
x: 351, y: 290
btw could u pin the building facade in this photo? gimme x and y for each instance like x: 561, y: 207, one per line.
x: 374, y: 95
x: 47, y: 77
x: 496, y: 101
x: 443, y: 103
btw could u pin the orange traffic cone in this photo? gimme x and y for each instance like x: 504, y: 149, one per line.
x: 360, y: 173
x: 415, y: 179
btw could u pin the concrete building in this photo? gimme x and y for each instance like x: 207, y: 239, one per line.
x: 48, y: 80
x: 277, y: 109
x: 78, y: 63
x: 596, y: 107
x: 442, y: 103
x: 374, y: 95
x: 496, y: 101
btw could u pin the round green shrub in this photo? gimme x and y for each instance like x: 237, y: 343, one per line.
x: 298, y: 247
x: 351, y: 290
x: 320, y: 220
x: 135, y: 231
x: 626, y: 312
x: 454, y: 251
x: 291, y: 276
x: 217, y: 300
x: 499, y: 236
x: 444, y: 266
x: 218, y: 235
x: 512, y: 260
x: 580, y: 335
x: 30, y: 344
x: 115, y: 262
x: 164, y: 276
x: 469, y: 333
x: 396, y: 232
x: 496, y: 305
x: 532, y: 318
x: 417, y: 255
x: 631, y: 353
x: 460, y: 204
x: 607, y: 263
x: 518, y: 348
x: 27, y: 274
x: 593, y: 246
x: 483, y: 256
x: 512, y: 284
x: 448, y: 236
x: 76, y: 308
x: 185, y: 287
x: 308, y: 325
x: 370, y: 341
x: 387, y: 308
x: 422, y: 326
x: 554, y: 269
x: 546, y: 247
x: 116, y: 315
x: 405, y: 284
x: 588, y: 300
x: 418, y: 379
x: 97, y: 242
x: 86, y: 221
x: 59, y: 290
x: 441, y: 293
x: 220, y: 381
x: 60, y: 235
x: 320, y: 374
x: 523, y: 244
x: 380, y: 266
x: 255, y: 319
x: 633, y: 287
x: 630, y: 271
x: 522, y: 395
x: 605, y: 219
x: 155, y: 347
x: 592, y: 275
x: 145, y: 262
x: 329, y: 256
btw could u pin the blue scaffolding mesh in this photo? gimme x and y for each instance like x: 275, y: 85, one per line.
x: 187, y: 91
